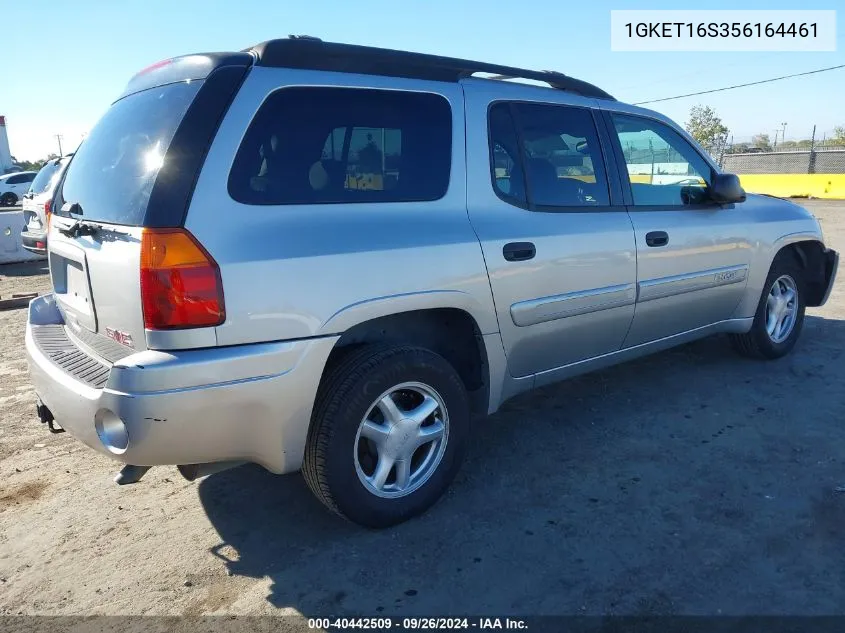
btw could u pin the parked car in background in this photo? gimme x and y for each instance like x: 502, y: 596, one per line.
x: 14, y: 186
x: 340, y: 258
x: 38, y: 202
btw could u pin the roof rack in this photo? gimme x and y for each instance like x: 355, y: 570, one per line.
x: 302, y: 51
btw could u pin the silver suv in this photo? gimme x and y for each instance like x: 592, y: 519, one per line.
x: 331, y: 258
x: 38, y: 205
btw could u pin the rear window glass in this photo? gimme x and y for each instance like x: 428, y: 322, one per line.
x: 340, y: 145
x: 43, y: 181
x: 114, y: 169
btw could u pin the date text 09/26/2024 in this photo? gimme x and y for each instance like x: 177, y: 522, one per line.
x: 411, y: 624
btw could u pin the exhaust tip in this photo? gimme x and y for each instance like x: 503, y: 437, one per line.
x: 192, y: 472
x: 112, y: 431
x: 130, y: 474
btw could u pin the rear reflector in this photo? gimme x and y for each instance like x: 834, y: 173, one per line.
x: 180, y: 282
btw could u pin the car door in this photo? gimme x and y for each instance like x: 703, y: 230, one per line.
x: 13, y: 185
x: 557, y: 242
x: 692, y: 254
x: 21, y: 184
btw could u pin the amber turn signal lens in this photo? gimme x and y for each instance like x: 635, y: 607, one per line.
x: 180, y: 282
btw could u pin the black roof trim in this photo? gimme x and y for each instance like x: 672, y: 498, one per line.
x: 184, y: 68
x: 312, y: 53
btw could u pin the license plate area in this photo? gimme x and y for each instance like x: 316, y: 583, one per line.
x: 69, y: 272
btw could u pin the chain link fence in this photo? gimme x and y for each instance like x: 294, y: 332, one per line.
x: 815, y: 161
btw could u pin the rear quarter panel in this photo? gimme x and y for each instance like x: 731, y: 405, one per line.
x: 296, y: 271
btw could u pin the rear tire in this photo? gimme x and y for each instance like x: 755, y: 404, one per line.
x: 8, y: 200
x: 779, y: 319
x: 376, y: 463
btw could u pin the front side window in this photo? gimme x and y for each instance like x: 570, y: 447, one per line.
x: 342, y: 145
x: 663, y: 168
x: 559, y: 152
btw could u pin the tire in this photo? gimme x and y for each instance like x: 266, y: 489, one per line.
x: 341, y: 464
x: 8, y: 200
x: 758, y: 342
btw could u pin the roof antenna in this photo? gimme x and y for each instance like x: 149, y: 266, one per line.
x: 304, y: 37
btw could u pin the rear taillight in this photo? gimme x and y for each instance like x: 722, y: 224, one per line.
x: 180, y: 282
x: 48, y: 211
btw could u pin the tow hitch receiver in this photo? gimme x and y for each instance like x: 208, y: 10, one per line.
x: 46, y: 417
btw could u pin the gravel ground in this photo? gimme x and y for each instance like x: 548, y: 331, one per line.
x: 690, y: 482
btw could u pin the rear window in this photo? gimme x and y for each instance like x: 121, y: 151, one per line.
x: 341, y: 145
x: 43, y: 181
x: 114, y: 169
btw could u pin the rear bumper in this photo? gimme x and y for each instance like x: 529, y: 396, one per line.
x: 244, y: 403
x: 34, y: 242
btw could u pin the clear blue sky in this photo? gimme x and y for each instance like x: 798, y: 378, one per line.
x: 63, y: 62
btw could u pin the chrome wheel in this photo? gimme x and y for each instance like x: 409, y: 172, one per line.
x: 401, y: 440
x: 781, y: 309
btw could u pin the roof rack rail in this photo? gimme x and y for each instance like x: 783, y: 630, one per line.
x: 307, y: 52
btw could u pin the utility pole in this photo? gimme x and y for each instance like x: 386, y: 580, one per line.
x: 783, y: 134
x: 59, y: 138
x: 776, y: 138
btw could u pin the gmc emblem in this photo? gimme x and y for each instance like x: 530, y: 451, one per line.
x: 121, y: 337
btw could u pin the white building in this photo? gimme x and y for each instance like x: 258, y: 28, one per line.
x: 5, y: 153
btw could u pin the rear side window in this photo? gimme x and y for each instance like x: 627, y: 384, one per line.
x: 44, y: 180
x: 552, y: 149
x: 113, y: 171
x: 342, y: 145
x: 562, y: 157
x: 505, y: 161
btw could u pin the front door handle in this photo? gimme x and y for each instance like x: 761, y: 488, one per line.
x: 519, y: 251
x: 657, y: 238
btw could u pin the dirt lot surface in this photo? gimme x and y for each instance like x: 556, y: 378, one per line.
x: 689, y: 482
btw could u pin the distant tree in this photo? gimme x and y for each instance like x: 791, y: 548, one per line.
x: 762, y: 141
x: 29, y: 165
x: 706, y: 127
x: 839, y: 134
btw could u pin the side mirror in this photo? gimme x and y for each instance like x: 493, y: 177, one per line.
x: 725, y: 188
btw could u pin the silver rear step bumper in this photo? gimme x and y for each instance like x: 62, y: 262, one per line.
x: 243, y: 403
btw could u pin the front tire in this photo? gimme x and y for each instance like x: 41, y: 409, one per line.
x: 388, y: 434
x: 780, y: 312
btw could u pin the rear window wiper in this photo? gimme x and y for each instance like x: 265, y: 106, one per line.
x: 83, y: 227
x: 80, y: 228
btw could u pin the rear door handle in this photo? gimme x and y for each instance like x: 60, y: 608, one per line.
x: 519, y: 251
x: 657, y: 238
